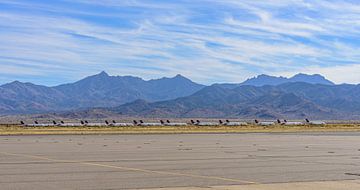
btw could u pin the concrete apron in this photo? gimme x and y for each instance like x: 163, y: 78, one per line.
x: 319, y: 185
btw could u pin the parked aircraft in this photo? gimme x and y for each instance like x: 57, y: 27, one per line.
x: 292, y: 122
x: 115, y: 124
x: 199, y: 123
x: 264, y: 123
x: 86, y: 123
x: 36, y: 124
x: 278, y: 121
x: 232, y: 123
x: 135, y: 122
x: 315, y: 122
x: 168, y: 123
x: 142, y: 123
x: 63, y: 124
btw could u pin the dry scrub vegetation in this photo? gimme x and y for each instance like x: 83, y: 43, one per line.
x: 20, y: 130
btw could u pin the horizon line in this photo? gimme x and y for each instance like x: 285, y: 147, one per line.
x: 173, y: 76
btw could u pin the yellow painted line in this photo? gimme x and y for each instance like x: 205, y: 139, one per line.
x: 130, y: 168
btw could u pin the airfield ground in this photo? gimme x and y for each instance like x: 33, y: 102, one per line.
x: 20, y: 130
x: 307, y: 160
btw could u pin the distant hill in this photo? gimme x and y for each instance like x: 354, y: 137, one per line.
x: 264, y: 96
x: 100, y: 90
x: 262, y: 80
x: 103, y: 90
x: 268, y: 102
x: 296, y: 100
x: 17, y: 97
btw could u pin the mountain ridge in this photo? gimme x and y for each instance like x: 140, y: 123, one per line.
x: 263, y: 79
x: 266, y: 102
x: 178, y: 96
x: 100, y: 90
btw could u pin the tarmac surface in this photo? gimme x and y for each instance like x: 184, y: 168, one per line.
x: 229, y: 161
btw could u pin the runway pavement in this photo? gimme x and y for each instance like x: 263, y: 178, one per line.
x: 191, y: 160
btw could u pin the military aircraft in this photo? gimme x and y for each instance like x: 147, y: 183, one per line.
x: 115, y: 124
x: 86, y: 123
x: 292, y: 122
x: 232, y: 123
x: 315, y: 122
x: 63, y: 124
x: 36, y: 124
x: 264, y: 123
x: 142, y: 123
x: 199, y: 123
x: 168, y: 123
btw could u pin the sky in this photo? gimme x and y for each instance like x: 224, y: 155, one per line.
x: 208, y: 41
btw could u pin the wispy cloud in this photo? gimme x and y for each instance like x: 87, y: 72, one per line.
x: 207, y: 40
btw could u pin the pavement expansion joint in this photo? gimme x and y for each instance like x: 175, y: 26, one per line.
x: 131, y: 169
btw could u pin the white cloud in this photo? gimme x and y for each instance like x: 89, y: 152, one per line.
x: 164, y: 39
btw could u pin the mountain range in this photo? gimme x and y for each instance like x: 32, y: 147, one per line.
x: 289, y: 100
x: 99, y: 90
x: 262, y: 80
x: 264, y: 96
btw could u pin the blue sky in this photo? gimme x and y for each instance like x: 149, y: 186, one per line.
x: 60, y: 41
